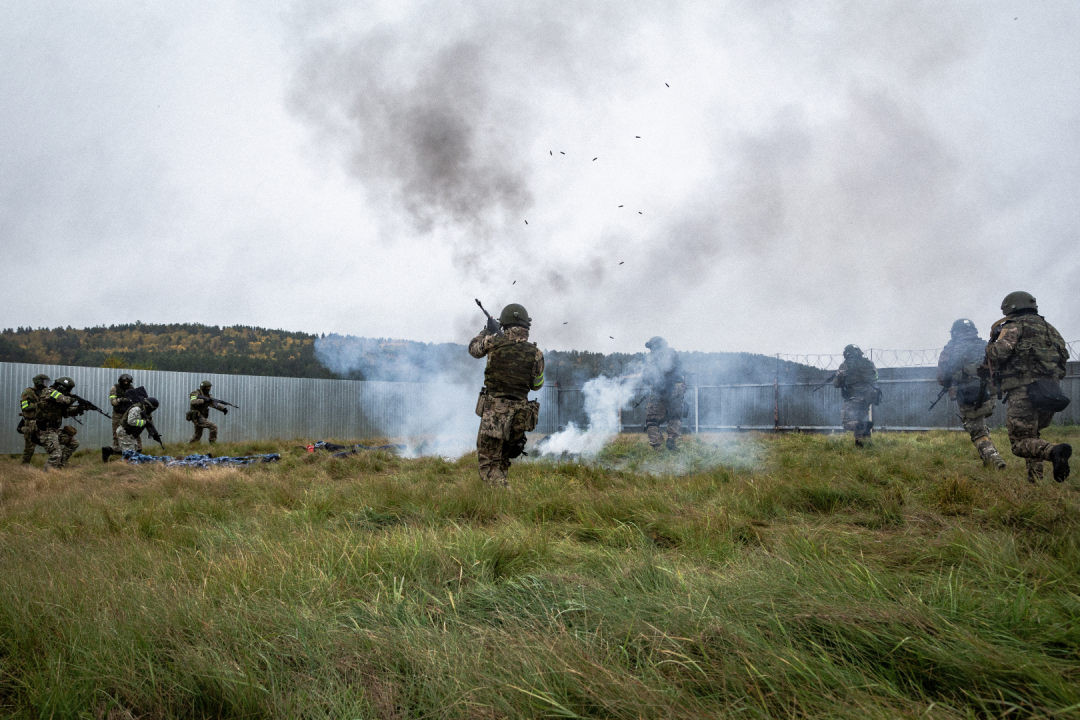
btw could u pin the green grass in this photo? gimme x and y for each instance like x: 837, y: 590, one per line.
x: 751, y: 576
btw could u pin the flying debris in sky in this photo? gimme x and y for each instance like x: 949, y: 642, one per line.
x: 514, y: 283
x: 550, y: 153
x: 526, y: 222
x: 622, y: 262
x: 594, y: 159
x: 561, y: 152
x: 620, y: 206
x: 666, y: 85
x: 638, y: 137
x: 639, y: 212
x: 611, y: 336
x: 566, y: 323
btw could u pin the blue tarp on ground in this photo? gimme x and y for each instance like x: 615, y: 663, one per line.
x: 200, y: 461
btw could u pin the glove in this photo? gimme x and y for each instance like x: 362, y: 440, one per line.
x: 224, y: 410
x: 493, y: 326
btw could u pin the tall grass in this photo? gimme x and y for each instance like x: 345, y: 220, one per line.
x: 759, y: 576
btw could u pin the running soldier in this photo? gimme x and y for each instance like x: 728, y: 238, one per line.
x: 1026, y: 359
x: 663, y: 377
x: 958, y: 370
x: 56, y: 404
x: 133, y: 422
x: 857, y: 378
x: 514, y: 367
x: 199, y: 414
x: 28, y: 404
x: 120, y: 404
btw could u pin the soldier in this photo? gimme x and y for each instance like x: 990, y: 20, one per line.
x: 133, y: 422
x: 663, y: 377
x: 1026, y: 358
x: 958, y: 367
x: 28, y: 404
x: 120, y: 404
x: 856, y: 379
x: 514, y: 367
x: 199, y: 414
x: 56, y: 404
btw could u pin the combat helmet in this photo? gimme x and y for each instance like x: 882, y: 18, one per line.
x: 40, y: 380
x: 963, y: 326
x: 852, y: 351
x: 64, y: 384
x: 125, y: 379
x: 656, y: 343
x: 1018, y: 300
x: 152, y: 403
x: 206, y: 385
x: 515, y: 315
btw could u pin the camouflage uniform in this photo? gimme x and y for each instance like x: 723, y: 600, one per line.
x: 667, y: 388
x: 514, y: 367
x: 958, y: 366
x: 856, y: 379
x: 59, y: 443
x: 28, y: 404
x: 120, y: 404
x: 133, y: 422
x: 1026, y: 348
x: 201, y: 402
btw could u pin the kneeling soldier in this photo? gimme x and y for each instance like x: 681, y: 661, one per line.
x: 132, y: 424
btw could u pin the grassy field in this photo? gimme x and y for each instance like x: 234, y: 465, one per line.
x: 757, y: 576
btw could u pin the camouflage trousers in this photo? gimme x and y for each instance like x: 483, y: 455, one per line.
x: 200, y: 423
x: 974, y: 419
x: 116, y: 418
x: 59, y: 444
x: 127, y: 441
x: 503, y: 425
x: 661, y: 407
x: 1024, y: 422
x: 855, y: 415
x: 29, y: 444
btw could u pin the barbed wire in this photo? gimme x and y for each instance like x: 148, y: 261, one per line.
x: 885, y: 358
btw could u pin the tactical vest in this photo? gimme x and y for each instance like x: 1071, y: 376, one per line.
x: 118, y: 391
x: 860, y: 372
x: 509, y: 372
x: 28, y: 403
x: 1040, y: 353
x: 204, y: 409
x: 50, y: 412
x: 965, y: 354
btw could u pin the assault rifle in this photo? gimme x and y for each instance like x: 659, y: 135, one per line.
x: 939, y: 396
x: 214, y: 402
x: 85, y: 405
x: 492, y: 322
x: 825, y: 382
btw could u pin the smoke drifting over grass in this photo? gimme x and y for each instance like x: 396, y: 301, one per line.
x: 604, y: 397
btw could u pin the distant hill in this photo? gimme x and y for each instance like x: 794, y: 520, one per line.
x: 187, y: 347
x: 245, y: 350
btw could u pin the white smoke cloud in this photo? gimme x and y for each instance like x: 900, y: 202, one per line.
x: 604, y: 398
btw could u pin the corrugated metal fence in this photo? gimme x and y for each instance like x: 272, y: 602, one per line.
x: 299, y: 408
x: 270, y: 407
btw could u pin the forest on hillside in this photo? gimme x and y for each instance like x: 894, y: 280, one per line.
x: 246, y: 350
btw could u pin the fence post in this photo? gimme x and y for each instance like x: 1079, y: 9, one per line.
x: 695, y: 409
x: 776, y: 396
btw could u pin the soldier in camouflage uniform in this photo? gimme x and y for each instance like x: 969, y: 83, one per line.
x: 28, y: 404
x: 514, y: 367
x: 120, y: 404
x: 56, y: 404
x: 857, y: 378
x: 1023, y: 349
x: 663, y: 377
x: 958, y: 370
x: 133, y: 422
x: 199, y: 414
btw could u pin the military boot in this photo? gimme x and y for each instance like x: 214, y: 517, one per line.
x: 106, y: 453
x: 671, y: 445
x: 1060, y: 455
x: 989, y: 453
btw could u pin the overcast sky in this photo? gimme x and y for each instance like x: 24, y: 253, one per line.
x: 808, y: 174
